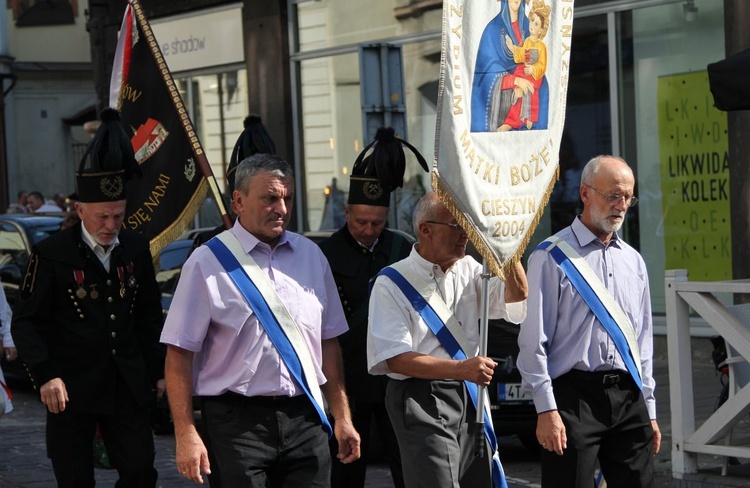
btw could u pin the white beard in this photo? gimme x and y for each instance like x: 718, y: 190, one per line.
x: 601, y: 220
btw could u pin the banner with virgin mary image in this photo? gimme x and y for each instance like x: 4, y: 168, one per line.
x: 501, y: 110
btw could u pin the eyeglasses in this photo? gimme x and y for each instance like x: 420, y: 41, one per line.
x: 452, y: 225
x: 614, y: 199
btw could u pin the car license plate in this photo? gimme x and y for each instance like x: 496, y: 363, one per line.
x: 511, y: 392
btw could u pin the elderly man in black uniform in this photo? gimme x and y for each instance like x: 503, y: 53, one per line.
x: 356, y: 253
x: 88, y: 322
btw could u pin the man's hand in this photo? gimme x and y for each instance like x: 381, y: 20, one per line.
x: 657, y: 437
x: 11, y: 353
x: 550, y: 432
x: 348, y: 439
x: 478, y: 370
x: 161, y: 388
x: 191, y: 456
x: 54, y: 395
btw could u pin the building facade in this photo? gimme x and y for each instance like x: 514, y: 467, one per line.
x: 638, y: 88
x: 48, y: 93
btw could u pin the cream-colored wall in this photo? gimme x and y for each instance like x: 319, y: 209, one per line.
x: 331, y: 110
x: 58, y: 44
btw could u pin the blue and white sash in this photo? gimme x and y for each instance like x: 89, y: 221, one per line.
x: 600, y: 301
x: 441, y: 321
x: 272, y: 314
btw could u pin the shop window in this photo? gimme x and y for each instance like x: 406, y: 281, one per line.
x: 28, y: 13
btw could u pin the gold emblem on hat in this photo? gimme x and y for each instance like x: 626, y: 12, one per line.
x: 372, y: 190
x: 111, y: 187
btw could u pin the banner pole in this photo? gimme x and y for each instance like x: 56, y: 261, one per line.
x: 483, y: 337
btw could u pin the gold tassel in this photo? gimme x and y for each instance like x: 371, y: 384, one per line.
x: 181, y: 224
x: 450, y: 200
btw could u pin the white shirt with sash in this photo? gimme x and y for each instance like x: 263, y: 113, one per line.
x: 395, y: 327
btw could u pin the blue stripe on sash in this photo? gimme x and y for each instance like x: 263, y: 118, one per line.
x: 450, y: 344
x: 267, y: 320
x: 596, y: 305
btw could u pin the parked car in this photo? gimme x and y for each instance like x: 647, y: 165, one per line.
x: 18, y: 233
x: 171, y: 258
x: 513, y: 412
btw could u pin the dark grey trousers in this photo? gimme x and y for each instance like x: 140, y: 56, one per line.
x: 433, y: 423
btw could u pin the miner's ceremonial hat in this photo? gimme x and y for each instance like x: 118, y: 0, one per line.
x: 108, y: 163
x: 254, y: 139
x: 375, y: 175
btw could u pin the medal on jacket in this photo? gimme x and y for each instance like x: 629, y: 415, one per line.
x: 121, y: 275
x: 93, y: 294
x: 81, y: 291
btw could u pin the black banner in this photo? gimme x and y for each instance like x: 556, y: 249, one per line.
x: 163, y: 203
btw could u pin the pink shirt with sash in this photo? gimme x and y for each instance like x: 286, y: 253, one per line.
x: 232, y: 351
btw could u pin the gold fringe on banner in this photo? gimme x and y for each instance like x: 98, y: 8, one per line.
x: 180, y: 225
x: 449, y: 199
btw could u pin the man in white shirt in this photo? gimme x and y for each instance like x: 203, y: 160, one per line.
x: 429, y: 404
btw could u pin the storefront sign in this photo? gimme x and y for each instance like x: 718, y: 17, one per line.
x: 201, y: 40
x: 694, y: 159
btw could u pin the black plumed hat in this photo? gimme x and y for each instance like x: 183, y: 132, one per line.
x: 108, y: 163
x: 375, y: 175
x: 253, y: 140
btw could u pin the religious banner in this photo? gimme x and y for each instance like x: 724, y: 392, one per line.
x: 176, y: 174
x: 694, y: 157
x: 501, y: 109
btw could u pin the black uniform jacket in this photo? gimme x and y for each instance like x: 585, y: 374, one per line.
x: 91, y: 328
x: 353, y: 266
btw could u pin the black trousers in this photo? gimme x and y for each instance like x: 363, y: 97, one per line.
x: 265, y: 442
x: 127, y: 436
x: 605, y: 418
x: 352, y: 475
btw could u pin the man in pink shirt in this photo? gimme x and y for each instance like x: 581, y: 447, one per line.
x: 257, y: 420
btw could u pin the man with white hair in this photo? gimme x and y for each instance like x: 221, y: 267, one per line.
x: 430, y: 399
x: 586, y: 345
x: 87, y: 325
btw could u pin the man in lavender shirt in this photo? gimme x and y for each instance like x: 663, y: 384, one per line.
x: 589, y: 407
x: 258, y: 426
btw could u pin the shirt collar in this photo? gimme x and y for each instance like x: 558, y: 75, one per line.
x: 371, y: 248
x: 95, y: 246
x: 427, y: 267
x: 249, y: 242
x: 585, y: 236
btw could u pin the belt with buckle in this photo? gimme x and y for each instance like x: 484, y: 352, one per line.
x: 604, y: 378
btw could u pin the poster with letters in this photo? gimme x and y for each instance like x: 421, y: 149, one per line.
x: 694, y: 161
